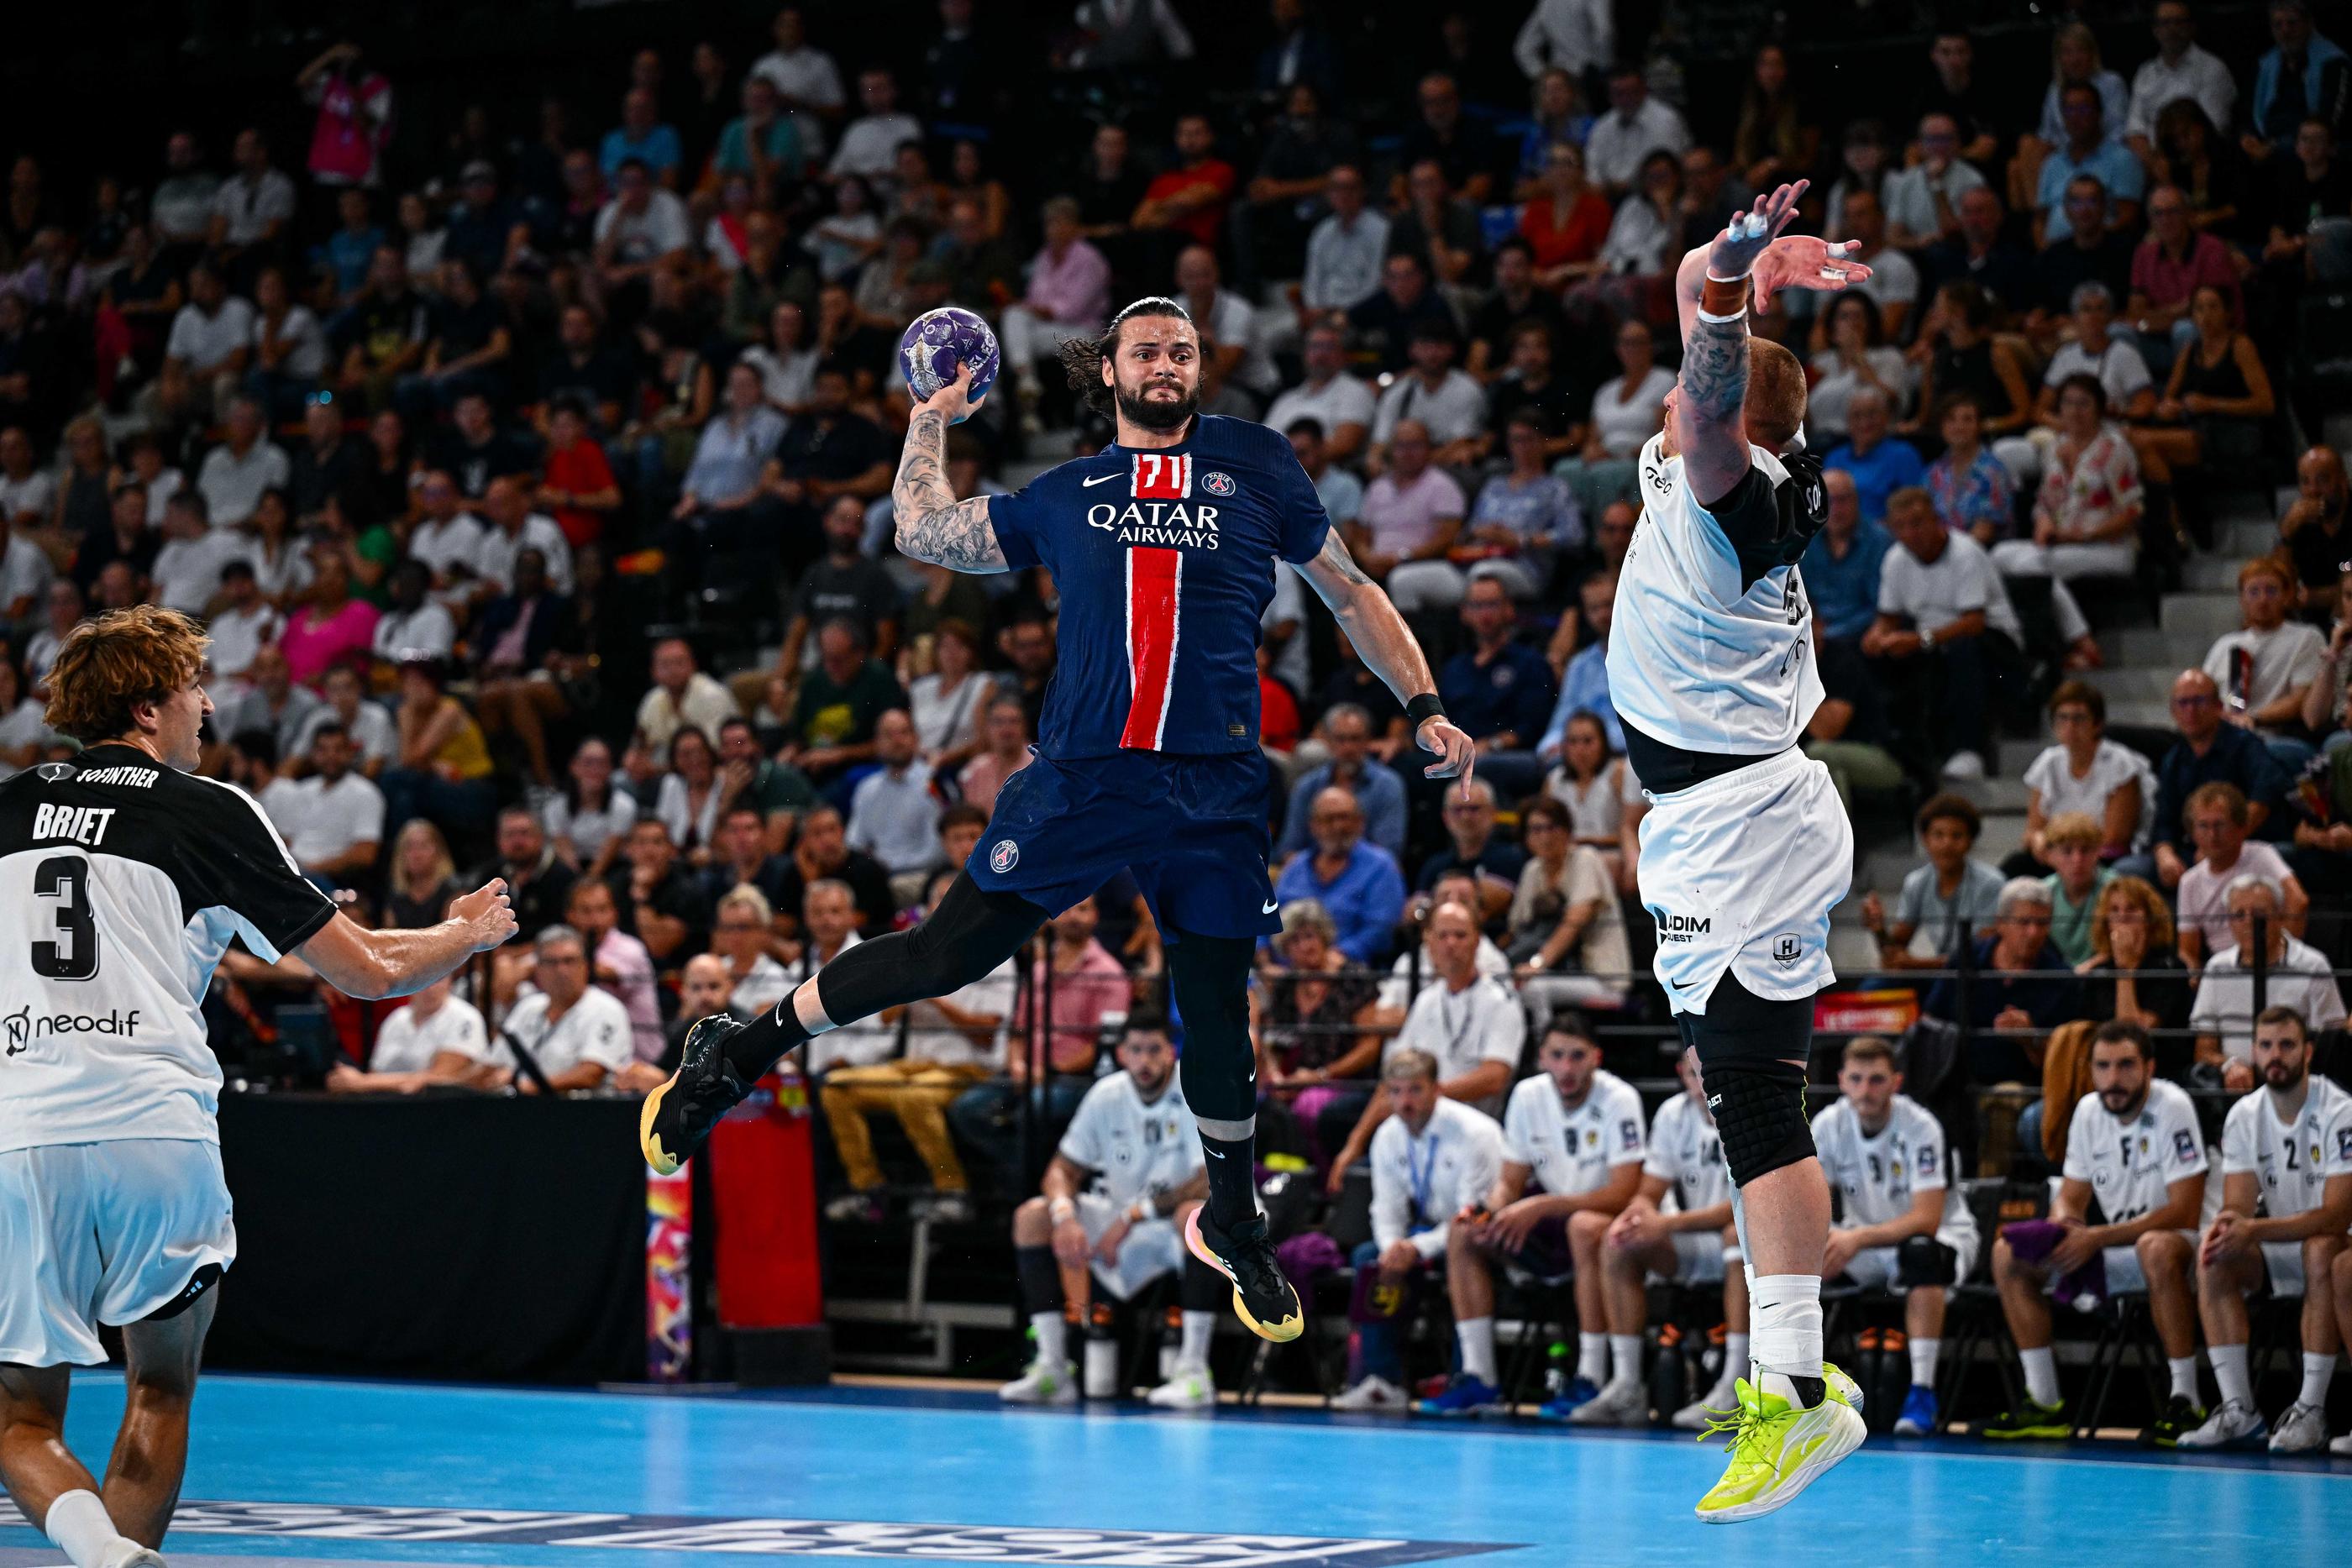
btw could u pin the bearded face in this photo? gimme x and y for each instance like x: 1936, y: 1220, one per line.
x: 1154, y: 371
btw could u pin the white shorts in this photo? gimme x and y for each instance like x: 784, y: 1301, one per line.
x: 1874, y: 1268
x: 1740, y: 874
x: 1150, y: 1248
x: 1698, y: 1259
x: 102, y: 1233
x: 2283, y: 1262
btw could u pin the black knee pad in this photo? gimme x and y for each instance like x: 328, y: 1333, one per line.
x: 1923, y: 1261
x: 1759, y: 1109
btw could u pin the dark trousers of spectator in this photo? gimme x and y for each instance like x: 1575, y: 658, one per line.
x: 1378, y: 1312
x: 1949, y: 699
x: 986, y: 1120
x: 463, y: 808
x: 1313, y: 1124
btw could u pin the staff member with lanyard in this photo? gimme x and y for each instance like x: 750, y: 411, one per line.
x: 1434, y: 1158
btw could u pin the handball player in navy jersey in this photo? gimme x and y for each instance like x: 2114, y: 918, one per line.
x: 1163, y: 548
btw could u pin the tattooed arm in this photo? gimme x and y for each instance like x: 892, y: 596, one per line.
x: 932, y: 524
x: 1708, y: 431
x: 1387, y: 646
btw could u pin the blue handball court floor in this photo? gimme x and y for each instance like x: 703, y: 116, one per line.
x: 290, y: 1473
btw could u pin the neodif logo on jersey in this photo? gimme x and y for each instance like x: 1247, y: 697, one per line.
x: 23, y: 1028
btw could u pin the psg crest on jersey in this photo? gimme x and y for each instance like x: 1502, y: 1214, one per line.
x: 1217, y: 482
x: 1005, y: 856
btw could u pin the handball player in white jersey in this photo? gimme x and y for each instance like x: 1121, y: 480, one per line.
x: 122, y: 879
x: 1746, y: 847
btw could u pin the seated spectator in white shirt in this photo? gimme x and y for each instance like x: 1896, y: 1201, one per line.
x: 2265, y: 668
x: 1629, y: 408
x: 576, y: 1033
x: 234, y: 475
x: 1635, y: 126
x: 2297, y: 977
x: 28, y: 492
x: 375, y: 737
x: 2180, y: 70
x: 1337, y: 401
x: 240, y: 628
x: 210, y: 345
x: 341, y: 814
x: 1447, y: 402
x: 870, y: 143
x: 438, y: 1039
x: 1472, y: 1025
x: 1345, y: 250
x: 1923, y: 201
x: 417, y: 625
x: 187, y: 569
x: 741, y: 932
x: 2219, y: 821
x: 893, y: 815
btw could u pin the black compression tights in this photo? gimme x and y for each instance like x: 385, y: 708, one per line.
x: 969, y: 934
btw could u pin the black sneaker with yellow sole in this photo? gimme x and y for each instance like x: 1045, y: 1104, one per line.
x: 1263, y: 1298
x: 680, y: 1114
x: 2180, y: 1416
x: 2029, y: 1422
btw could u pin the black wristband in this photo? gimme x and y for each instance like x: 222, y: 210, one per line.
x: 1422, y: 708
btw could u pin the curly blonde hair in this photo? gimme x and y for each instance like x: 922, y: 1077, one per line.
x: 109, y: 665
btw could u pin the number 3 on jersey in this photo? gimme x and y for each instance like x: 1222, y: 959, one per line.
x: 74, y: 955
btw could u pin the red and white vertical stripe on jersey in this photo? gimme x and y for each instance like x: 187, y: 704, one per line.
x: 1155, y: 603
x: 1162, y: 476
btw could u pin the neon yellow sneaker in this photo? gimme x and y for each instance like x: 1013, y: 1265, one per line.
x: 1778, y: 1450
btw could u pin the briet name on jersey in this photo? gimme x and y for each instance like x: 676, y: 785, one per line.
x: 1156, y: 523
x: 77, y: 824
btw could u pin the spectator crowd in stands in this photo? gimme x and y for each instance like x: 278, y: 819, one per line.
x: 533, y: 480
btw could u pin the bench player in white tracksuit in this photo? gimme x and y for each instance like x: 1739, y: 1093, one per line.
x: 1902, y: 1226
x: 1745, y: 846
x: 123, y: 880
x: 2286, y: 1203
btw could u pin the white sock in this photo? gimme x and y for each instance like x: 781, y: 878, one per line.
x: 2184, y: 1375
x: 1592, y: 1358
x: 2041, y: 1375
x: 2319, y: 1372
x: 2229, y: 1371
x: 1477, y: 1339
x: 1625, y: 1357
x: 1922, y: 1362
x: 1734, y: 1360
x: 1053, y: 1338
x: 79, y: 1523
x: 1785, y: 1324
x: 1192, y: 1354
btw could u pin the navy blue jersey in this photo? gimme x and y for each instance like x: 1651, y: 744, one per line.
x: 1165, y: 560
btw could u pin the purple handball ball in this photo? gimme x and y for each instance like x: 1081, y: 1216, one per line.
x: 937, y: 341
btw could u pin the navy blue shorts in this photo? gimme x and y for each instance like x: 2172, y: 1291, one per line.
x: 1191, y: 830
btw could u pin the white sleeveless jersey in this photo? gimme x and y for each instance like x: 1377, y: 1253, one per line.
x: 1696, y: 660
x: 122, y: 881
